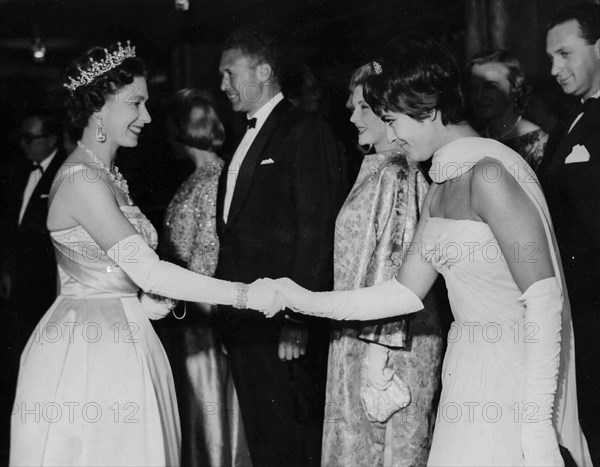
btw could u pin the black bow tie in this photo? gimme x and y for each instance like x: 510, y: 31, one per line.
x: 251, y: 123
x: 35, y: 166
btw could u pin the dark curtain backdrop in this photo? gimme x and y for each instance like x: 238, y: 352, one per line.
x: 520, y: 27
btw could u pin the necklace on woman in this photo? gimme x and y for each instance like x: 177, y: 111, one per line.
x: 508, y: 131
x: 113, y: 173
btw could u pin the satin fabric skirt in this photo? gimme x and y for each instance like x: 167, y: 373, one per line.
x: 95, y: 388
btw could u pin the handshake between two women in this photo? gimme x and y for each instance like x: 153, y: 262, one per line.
x: 384, y: 300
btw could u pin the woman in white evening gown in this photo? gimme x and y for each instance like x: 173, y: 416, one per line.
x: 95, y: 386
x: 508, y: 386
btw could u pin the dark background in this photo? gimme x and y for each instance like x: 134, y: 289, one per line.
x: 182, y: 48
x: 329, y: 38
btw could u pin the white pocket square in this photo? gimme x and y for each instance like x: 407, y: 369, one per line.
x: 44, y: 195
x: 267, y: 161
x: 578, y: 154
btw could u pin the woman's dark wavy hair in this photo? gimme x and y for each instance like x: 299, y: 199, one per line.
x: 419, y: 76
x: 81, y: 103
x: 195, y: 120
x: 520, y: 89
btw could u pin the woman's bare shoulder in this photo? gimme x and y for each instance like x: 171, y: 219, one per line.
x: 74, y: 188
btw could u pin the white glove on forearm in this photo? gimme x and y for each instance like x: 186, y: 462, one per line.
x: 147, y: 271
x: 543, y: 307
x: 383, y: 300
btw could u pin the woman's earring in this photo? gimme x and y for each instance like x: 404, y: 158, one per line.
x: 100, y: 133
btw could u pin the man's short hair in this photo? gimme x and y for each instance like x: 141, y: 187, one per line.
x: 259, y: 46
x: 48, y: 120
x: 587, y: 16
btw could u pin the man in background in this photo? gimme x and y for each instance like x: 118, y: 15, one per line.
x: 278, y: 200
x: 27, y: 263
x: 570, y: 176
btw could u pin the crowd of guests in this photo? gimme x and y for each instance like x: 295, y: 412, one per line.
x: 356, y: 376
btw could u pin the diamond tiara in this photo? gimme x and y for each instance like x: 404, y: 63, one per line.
x: 95, y: 69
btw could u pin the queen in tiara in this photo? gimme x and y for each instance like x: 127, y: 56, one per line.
x: 95, y: 386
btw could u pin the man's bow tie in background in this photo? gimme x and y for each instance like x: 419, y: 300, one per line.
x: 251, y: 123
x: 36, y: 166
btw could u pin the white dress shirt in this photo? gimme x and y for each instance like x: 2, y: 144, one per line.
x: 240, y: 153
x: 34, y: 178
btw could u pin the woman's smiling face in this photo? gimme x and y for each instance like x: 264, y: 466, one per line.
x: 414, y: 137
x: 371, y: 129
x: 124, y: 114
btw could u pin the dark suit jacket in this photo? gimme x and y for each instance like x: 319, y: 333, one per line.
x: 27, y: 252
x: 282, y: 214
x: 572, y: 191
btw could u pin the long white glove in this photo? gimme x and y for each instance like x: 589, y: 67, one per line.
x: 383, y: 300
x: 544, y: 304
x: 147, y: 271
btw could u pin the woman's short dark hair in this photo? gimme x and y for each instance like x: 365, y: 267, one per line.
x: 195, y: 120
x: 520, y: 89
x: 418, y: 76
x: 82, y: 102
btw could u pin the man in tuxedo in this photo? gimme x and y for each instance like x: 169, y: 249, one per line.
x: 570, y: 176
x: 27, y: 263
x: 277, y: 205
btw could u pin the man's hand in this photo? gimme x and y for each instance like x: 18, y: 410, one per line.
x: 5, y: 285
x: 292, y: 340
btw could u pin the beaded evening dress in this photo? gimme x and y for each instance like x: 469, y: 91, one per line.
x: 530, y: 146
x: 373, y: 230
x: 212, y: 432
x: 95, y: 386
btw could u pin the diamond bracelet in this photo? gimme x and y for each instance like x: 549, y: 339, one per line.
x: 168, y: 303
x: 241, y: 297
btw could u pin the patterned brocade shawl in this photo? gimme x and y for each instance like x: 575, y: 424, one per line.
x: 459, y: 157
x: 374, y: 229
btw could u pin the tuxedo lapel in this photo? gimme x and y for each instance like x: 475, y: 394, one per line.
x: 244, y: 178
x: 221, y: 199
x: 587, y: 123
x: 21, y: 172
x: 43, y: 186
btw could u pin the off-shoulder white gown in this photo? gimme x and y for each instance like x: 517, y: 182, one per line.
x: 95, y: 385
